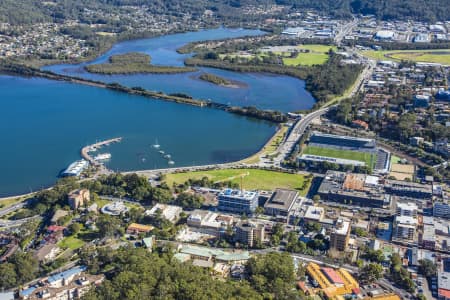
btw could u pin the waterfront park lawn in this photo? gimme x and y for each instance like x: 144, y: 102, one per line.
x: 253, y: 179
x: 440, y: 56
x: 367, y: 158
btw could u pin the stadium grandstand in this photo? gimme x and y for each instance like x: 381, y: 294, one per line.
x: 346, y: 150
x: 319, y: 139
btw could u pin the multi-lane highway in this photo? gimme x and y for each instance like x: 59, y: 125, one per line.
x: 295, y: 134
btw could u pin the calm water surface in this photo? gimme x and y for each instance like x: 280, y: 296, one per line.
x: 44, y: 124
x: 265, y: 91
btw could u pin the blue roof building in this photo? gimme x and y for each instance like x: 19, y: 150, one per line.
x: 238, y: 201
x: 65, y: 277
x: 421, y: 101
x: 27, y: 292
x: 443, y: 95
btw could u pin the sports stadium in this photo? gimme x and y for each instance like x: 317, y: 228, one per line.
x: 345, y: 150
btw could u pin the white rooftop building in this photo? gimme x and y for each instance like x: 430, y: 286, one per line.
x: 169, y: 212
x: 314, y: 213
x: 293, y: 31
x: 407, y: 209
x: 385, y: 35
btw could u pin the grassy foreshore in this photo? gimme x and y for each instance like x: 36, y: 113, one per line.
x: 269, y: 148
x: 134, y: 63
x: 250, y: 178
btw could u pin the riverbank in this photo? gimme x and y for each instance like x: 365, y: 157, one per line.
x: 325, y: 82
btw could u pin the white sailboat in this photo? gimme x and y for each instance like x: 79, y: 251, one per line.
x: 156, y: 145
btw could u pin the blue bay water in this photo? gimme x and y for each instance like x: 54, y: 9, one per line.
x: 44, y: 124
x: 265, y: 91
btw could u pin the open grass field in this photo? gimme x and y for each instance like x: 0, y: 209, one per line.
x: 395, y: 159
x: 253, y: 179
x: 71, y: 242
x: 77, y: 241
x: 317, y: 55
x: 440, y: 56
x: 367, y: 158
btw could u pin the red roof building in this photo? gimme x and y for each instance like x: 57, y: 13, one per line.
x: 333, y: 276
x: 444, y: 294
x: 55, y: 228
x: 360, y: 124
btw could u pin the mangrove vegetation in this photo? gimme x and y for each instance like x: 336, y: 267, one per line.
x: 14, y: 68
x: 324, y: 81
x: 217, y: 80
x: 133, y: 63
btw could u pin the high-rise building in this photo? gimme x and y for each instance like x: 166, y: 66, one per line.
x: 405, y: 223
x: 78, y: 198
x: 340, y: 235
x: 249, y: 233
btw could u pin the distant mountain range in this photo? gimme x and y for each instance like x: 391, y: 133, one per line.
x: 32, y: 11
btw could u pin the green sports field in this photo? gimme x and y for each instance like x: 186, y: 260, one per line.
x: 367, y: 158
x: 317, y: 55
x: 253, y: 179
x: 440, y: 56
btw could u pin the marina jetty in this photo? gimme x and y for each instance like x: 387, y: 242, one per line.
x: 85, y: 150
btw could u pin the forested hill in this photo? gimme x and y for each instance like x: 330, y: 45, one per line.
x: 32, y: 11
x: 427, y: 10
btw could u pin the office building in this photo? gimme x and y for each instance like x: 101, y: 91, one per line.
x: 353, y: 189
x: 281, y: 203
x: 207, y: 222
x: 237, y: 201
